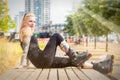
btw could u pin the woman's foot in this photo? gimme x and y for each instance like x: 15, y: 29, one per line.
x: 105, y: 66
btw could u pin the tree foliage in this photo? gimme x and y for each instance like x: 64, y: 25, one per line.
x: 5, y: 20
x: 97, y: 15
x: 69, y: 26
x: 97, y: 18
x: 108, y: 12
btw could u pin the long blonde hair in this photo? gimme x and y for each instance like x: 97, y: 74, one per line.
x: 26, y: 15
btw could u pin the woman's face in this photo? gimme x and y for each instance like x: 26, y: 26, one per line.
x: 29, y: 22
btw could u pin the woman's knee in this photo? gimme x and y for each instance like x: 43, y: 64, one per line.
x: 56, y: 34
x: 58, y: 37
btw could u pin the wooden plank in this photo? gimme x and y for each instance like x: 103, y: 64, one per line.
x: 16, y: 73
x: 94, y: 75
x: 80, y: 74
x: 25, y: 74
x: 12, y: 74
x: 71, y: 75
x: 43, y: 75
x: 62, y: 74
x: 6, y: 75
x: 35, y: 74
x: 53, y: 74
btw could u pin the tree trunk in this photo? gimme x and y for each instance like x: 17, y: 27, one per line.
x: 106, y: 43
x: 87, y: 41
x: 95, y: 42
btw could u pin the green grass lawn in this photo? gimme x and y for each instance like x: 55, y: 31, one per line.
x: 42, y: 46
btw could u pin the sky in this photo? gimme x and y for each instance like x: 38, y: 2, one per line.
x: 59, y: 9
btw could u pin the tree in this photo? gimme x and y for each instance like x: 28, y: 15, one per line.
x: 5, y: 21
x: 97, y: 18
x: 69, y: 25
x: 2, y: 14
x: 81, y: 28
x: 106, y: 12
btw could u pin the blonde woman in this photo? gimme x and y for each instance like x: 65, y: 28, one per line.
x: 26, y: 31
x: 46, y: 58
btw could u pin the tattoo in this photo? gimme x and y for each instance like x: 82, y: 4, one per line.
x: 26, y: 42
x: 26, y: 37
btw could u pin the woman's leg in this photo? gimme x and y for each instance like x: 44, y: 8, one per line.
x: 105, y: 66
x: 60, y: 62
x: 50, y: 49
x: 77, y: 59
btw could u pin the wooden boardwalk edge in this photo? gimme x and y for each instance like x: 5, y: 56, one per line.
x: 68, y: 73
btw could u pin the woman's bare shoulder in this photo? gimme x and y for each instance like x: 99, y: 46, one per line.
x: 26, y: 30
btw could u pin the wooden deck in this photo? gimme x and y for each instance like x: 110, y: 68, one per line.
x: 67, y: 73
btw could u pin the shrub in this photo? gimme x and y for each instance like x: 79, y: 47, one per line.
x: 9, y: 54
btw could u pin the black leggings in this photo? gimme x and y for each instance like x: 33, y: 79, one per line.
x: 46, y: 58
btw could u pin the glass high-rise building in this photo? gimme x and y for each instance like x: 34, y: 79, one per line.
x: 46, y: 12
x: 41, y: 8
x: 29, y: 5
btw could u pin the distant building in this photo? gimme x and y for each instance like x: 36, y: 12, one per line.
x: 29, y: 6
x: 17, y: 20
x: 41, y: 8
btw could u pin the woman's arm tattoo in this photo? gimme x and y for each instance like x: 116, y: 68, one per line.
x: 26, y: 42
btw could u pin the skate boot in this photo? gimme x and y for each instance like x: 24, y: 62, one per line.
x: 78, y: 58
x: 105, y: 66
